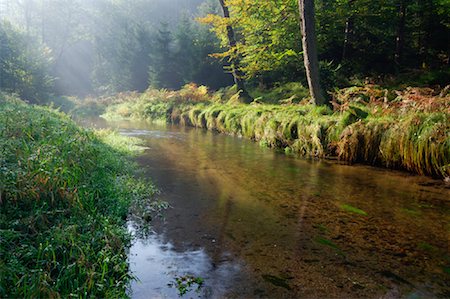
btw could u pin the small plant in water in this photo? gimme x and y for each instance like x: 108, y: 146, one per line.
x: 353, y: 209
x: 186, y: 283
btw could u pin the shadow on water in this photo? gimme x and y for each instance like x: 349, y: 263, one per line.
x: 256, y: 223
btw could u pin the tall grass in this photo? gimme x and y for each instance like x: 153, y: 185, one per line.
x: 408, y: 129
x: 64, y: 197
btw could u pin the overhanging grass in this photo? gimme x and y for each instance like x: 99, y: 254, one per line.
x: 65, y: 193
x: 369, y: 125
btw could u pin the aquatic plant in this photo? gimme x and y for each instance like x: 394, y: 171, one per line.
x: 352, y: 209
x: 186, y: 283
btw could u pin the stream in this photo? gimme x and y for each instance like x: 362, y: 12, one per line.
x: 256, y: 223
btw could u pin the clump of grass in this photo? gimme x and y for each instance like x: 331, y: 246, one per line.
x: 65, y: 193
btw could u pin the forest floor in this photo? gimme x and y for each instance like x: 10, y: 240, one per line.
x: 405, y: 129
x: 65, y: 194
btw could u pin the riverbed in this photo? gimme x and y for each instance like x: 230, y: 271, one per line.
x: 252, y: 222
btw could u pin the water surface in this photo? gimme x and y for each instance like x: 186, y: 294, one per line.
x: 255, y: 223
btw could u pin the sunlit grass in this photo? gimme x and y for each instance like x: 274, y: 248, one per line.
x: 65, y: 193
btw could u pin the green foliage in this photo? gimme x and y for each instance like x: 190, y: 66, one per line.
x: 24, y: 65
x: 89, y: 107
x: 291, y: 92
x: 327, y: 242
x: 352, y: 209
x: 163, y: 72
x: 269, y: 36
x: 269, y: 40
x: 65, y: 193
x: 104, y: 47
x: 186, y: 283
x: 181, y: 55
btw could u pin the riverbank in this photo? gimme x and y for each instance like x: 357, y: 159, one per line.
x: 65, y: 194
x: 407, y: 129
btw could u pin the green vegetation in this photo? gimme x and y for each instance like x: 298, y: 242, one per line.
x: 327, y: 242
x: 103, y: 46
x: 185, y: 284
x: 405, y: 129
x: 355, y: 38
x: 65, y: 193
x: 24, y: 65
x: 98, y: 47
x: 353, y: 209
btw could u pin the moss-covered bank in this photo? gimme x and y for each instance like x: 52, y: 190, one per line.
x: 407, y: 130
x: 65, y: 193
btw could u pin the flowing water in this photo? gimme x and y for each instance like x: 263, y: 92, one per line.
x: 256, y: 223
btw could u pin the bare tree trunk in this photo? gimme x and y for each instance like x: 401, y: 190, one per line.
x: 235, y: 59
x: 310, y: 50
x: 348, y: 32
x: 400, y: 40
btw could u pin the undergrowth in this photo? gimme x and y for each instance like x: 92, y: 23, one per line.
x: 407, y: 129
x: 65, y: 193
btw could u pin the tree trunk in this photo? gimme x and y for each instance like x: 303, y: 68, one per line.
x: 310, y: 51
x: 235, y: 59
x: 348, y: 32
x: 400, y: 40
x: 425, y: 15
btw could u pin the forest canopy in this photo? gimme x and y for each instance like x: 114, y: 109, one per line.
x: 95, y: 47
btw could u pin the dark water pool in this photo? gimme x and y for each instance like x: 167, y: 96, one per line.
x: 255, y: 223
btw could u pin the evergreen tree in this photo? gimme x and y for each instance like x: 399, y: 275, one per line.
x: 163, y: 71
x: 24, y: 65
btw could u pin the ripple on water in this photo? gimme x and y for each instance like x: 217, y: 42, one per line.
x: 155, y: 134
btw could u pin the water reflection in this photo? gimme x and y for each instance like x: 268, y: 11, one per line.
x: 257, y: 223
x: 157, y: 263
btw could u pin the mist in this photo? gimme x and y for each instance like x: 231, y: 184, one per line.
x: 107, y: 46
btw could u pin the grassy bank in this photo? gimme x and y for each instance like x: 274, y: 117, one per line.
x: 407, y: 129
x: 65, y: 193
